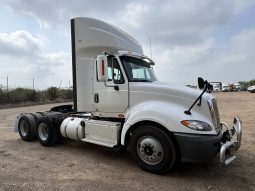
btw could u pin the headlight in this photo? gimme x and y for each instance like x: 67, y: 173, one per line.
x: 197, y: 125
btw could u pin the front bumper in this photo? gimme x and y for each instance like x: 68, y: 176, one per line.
x: 203, y: 148
x: 198, y: 148
x: 231, y: 141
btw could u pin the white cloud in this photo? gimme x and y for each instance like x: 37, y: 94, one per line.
x: 230, y: 61
x: 171, y: 23
x: 182, y: 63
x: 27, y: 57
x: 239, y: 57
x: 19, y: 42
x: 167, y: 22
x: 133, y: 14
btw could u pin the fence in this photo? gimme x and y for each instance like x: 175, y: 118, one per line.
x: 35, y: 83
x: 17, y: 90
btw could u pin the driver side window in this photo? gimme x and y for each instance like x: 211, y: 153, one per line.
x: 114, y: 71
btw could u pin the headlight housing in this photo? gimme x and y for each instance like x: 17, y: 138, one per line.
x: 197, y: 125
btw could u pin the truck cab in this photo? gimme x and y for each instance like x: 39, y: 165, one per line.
x: 120, y: 103
x: 225, y: 87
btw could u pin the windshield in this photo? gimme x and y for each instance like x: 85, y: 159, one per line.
x: 138, y: 70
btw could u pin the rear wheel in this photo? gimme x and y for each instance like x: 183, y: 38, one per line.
x: 152, y: 149
x: 26, y: 127
x: 46, y: 133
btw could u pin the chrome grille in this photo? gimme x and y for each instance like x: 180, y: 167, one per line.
x: 217, y: 115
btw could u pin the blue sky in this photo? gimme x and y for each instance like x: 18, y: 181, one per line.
x: 212, y: 39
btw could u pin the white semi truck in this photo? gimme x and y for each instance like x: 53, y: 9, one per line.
x: 119, y: 103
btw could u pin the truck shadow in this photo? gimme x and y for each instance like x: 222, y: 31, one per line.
x: 119, y: 162
x: 122, y: 159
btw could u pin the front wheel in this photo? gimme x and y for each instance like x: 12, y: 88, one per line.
x: 152, y: 149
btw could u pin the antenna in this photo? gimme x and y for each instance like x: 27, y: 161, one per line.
x: 150, y: 46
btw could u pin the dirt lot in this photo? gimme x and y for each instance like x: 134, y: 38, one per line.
x: 79, y: 166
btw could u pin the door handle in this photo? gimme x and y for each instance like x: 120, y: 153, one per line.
x: 96, y: 98
x: 116, y: 88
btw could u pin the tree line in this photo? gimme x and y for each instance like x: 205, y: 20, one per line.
x: 19, y: 95
x: 246, y: 84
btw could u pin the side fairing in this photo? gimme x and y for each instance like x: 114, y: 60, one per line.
x: 84, y: 84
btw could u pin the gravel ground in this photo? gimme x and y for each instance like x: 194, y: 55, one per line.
x: 81, y: 166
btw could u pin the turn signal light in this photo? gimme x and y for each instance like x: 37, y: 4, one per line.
x: 197, y: 125
x: 185, y: 123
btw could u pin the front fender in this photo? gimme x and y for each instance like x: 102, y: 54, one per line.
x: 164, y: 113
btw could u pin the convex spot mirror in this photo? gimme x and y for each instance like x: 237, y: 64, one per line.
x: 102, y: 72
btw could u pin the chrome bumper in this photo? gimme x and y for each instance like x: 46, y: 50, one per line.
x: 232, y: 142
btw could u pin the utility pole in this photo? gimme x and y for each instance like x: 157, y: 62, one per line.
x: 33, y: 84
x: 69, y: 84
x: 34, y: 96
x: 7, y: 86
x: 60, y: 84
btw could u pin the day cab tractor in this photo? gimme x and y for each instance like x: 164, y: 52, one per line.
x: 119, y: 103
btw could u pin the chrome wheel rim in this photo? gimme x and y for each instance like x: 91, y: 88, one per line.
x: 43, y: 131
x: 24, y: 128
x: 150, y: 150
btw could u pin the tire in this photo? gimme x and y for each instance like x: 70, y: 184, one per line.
x: 36, y: 116
x: 26, y: 127
x: 46, y: 133
x: 152, y: 149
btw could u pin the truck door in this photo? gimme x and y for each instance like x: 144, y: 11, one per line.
x: 112, y: 96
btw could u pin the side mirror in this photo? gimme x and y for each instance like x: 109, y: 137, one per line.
x: 102, y: 68
x: 201, y: 82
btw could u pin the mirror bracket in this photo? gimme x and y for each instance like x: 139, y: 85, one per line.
x: 201, y: 84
